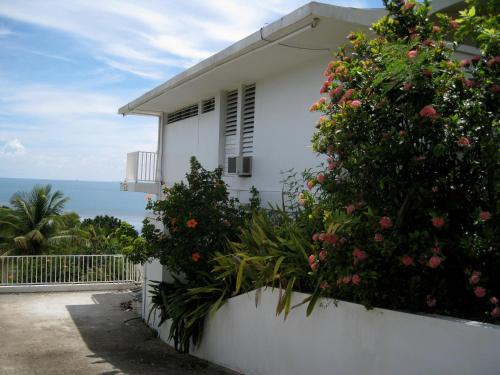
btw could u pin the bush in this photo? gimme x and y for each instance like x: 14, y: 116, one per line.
x: 409, y: 196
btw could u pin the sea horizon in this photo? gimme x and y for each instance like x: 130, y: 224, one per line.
x: 87, y: 198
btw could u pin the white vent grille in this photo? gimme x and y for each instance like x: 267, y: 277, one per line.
x: 247, y: 120
x: 230, y: 126
x: 208, y: 105
x: 182, y: 114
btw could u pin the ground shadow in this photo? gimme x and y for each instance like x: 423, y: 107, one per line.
x: 125, y: 344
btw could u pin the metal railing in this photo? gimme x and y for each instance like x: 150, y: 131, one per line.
x: 141, y: 166
x: 67, y: 269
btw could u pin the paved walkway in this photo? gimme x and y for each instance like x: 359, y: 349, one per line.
x: 79, y: 333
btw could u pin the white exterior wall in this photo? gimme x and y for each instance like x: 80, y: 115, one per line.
x: 346, y: 339
x: 282, y: 132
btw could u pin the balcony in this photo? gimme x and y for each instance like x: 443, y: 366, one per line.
x: 141, y: 173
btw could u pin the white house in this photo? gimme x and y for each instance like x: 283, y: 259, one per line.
x: 246, y: 107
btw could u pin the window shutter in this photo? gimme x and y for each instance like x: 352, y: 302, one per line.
x: 230, y: 127
x: 247, y: 120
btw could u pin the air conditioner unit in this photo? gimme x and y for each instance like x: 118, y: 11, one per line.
x: 244, y: 166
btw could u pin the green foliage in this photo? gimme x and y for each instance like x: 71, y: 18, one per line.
x: 410, y: 196
x: 34, y: 221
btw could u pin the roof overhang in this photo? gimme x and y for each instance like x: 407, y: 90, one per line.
x: 319, y: 29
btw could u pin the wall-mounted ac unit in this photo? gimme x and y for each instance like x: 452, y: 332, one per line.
x: 244, y: 166
x: 241, y: 165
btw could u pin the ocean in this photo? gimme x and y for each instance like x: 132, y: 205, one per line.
x: 87, y: 198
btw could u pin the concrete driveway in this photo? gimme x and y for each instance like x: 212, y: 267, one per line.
x: 84, y: 333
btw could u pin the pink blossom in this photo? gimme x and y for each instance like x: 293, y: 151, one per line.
x: 315, y: 237
x: 436, y: 29
x: 434, y: 261
x: 321, y: 101
x: 311, y: 259
x: 475, y: 277
x: 463, y: 142
x: 359, y: 254
x: 495, y: 60
x: 485, y: 215
x: 435, y: 189
x: 479, y: 291
x: 330, y: 239
x: 495, y: 313
x: 336, y: 91
x: 454, y: 24
x: 346, y: 96
x: 378, y: 237
x: 402, y: 133
x: 429, y: 111
x: 407, y: 5
x: 313, y: 107
x: 356, y: 279
x: 355, y: 104
x: 438, y: 222
x: 346, y: 279
x: 412, y: 54
x: 324, y: 285
x: 470, y: 83
x: 350, y: 209
x: 324, y: 88
x: 313, y: 266
x: 322, y: 255
x: 148, y: 197
x: 320, y: 178
x: 431, y: 301
x: 407, y: 260
x: 310, y: 184
x: 464, y: 63
x: 322, y: 236
x: 385, y: 222
x: 475, y: 58
x: 494, y: 300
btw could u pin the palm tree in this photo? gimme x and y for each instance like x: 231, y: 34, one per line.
x: 33, y: 221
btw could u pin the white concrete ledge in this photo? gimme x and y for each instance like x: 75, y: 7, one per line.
x: 64, y: 287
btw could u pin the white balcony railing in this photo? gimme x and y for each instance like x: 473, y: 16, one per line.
x: 67, y: 269
x: 141, y: 166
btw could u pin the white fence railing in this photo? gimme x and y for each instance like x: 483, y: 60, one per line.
x: 141, y: 166
x: 67, y: 269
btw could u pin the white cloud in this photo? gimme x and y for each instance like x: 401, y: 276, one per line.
x: 12, y: 147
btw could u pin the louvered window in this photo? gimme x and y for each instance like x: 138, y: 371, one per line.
x: 230, y: 127
x: 247, y: 120
x: 182, y: 114
x: 208, y: 105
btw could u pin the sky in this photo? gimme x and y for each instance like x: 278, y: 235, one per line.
x: 66, y: 67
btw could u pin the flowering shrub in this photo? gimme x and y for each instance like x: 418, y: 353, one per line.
x: 199, y: 217
x: 409, y: 194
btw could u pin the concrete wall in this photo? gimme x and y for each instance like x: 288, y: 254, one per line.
x: 282, y: 132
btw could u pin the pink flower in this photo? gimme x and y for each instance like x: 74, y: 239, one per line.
x: 494, y: 300
x: 310, y: 184
x: 407, y: 5
x: 402, y: 133
x: 435, y: 189
x: 311, y: 258
x: 346, y: 279
x: 330, y: 239
x: 324, y: 285
x: 356, y: 279
x: 475, y: 58
x: 336, y: 91
x: 324, y: 88
x: 321, y: 101
x: 463, y: 142
x: 322, y: 236
x: 320, y: 178
x: 350, y: 209
x: 464, y: 63
x: 434, y: 261
x: 359, y: 254
x: 495, y: 313
x: 407, y: 260
x: 148, y: 197
x: 385, y: 222
x: 378, y: 237
x: 315, y: 237
x: 431, y: 301
x: 346, y: 96
x: 429, y: 112
x: 492, y: 62
x: 438, y: 222
x: 479, y: 291
x: 485, y: 215
x: 412, y: 54
x: 313, y: 107
x: 475, y: 277
x: 355, y: 104
x: 313, y: 266
x: 454, y: 24
x: 322, y: 255
x: 470, y: 83
x: 436, y: 29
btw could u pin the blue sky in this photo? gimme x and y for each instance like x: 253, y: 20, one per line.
x: 66, y: 67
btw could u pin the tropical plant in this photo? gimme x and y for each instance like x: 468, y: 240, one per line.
x: 409, y: 197
x: 34, y: 220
